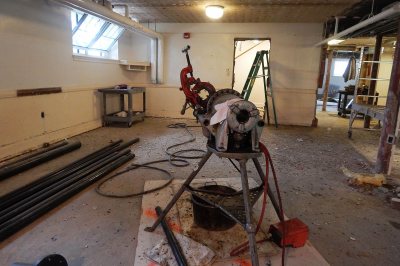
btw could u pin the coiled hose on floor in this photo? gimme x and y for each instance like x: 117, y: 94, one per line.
x: 176, y: 158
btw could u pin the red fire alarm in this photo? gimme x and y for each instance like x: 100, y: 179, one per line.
x: 186, y: 35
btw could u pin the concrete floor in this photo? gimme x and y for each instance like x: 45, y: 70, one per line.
x: 348, y: 226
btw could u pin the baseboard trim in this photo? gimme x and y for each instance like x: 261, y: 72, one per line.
x: 35, y: 142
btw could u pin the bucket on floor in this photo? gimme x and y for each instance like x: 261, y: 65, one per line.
x: 209, y: 217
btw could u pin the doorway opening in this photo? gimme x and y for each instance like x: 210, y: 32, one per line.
x: 245, y: 50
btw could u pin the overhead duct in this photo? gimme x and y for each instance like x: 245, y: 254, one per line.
x: 390, y: 12
x: 100, y: 11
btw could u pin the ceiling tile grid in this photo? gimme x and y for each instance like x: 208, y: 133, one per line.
x: 235, y: 11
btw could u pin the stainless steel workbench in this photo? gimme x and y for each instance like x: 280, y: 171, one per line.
x: 130, y: 115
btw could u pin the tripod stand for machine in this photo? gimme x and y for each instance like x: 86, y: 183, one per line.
x: 237, y: 206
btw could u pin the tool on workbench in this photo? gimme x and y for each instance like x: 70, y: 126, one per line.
x: 233, y: 128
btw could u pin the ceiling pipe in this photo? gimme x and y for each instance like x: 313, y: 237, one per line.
x: 337, y: 18
x: 100, y: 11
x: 394, y: 10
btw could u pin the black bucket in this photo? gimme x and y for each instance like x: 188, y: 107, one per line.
x: 209, y: 217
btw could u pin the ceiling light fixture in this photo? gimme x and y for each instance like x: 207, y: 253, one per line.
x: 335, y: 42
x: 214, y: 11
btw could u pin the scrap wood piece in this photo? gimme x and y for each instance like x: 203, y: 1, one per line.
x: 196, y: 254
x: 364, y: 179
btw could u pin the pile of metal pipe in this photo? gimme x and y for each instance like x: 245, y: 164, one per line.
x: 22, y: 206
x: 37, y: 158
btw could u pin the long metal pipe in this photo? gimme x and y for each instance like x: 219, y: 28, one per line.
x: 173, y: 243
x: 36, y: 153
x: 6, y: 172
x: 26, y: 191
x: 33, y: 199
x: 394, y: 10
x: 20, y: 193
x: 94, y: 9
x: 28, y: 216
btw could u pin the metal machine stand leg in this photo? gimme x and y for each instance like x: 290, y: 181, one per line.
x: 179, y: 193
x: 270, y: 194
x: 250, y: 228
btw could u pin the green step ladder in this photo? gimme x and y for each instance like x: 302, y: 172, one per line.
x: 261, y: 60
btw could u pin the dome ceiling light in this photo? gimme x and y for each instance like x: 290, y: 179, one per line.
x: 214, y: 11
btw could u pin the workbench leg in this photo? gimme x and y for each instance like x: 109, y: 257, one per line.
x: 121, y: 102
x: 344, y: 105
x: 339, y: 107
x: 144, y: 102
x: 104, y: 108
x: 130, y: 108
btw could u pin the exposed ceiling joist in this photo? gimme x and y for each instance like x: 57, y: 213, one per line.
x: 380, y: 23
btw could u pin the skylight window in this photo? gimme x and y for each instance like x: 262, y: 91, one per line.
x: 93, y: 36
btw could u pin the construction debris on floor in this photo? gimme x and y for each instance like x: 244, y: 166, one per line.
x: 218, y: 243
x: 88, y: 229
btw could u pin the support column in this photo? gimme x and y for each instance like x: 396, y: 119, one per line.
x: 391, y: 112
x: 327, y: 79
x: 374, y: 75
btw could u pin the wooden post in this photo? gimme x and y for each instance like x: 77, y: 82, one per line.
x: 327, y: 80
x: 322, y: 64
x: 391, y: 112
x: 374, y: 75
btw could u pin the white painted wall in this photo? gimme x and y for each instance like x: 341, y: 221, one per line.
x: 36, y: 52
x: 294, y: 62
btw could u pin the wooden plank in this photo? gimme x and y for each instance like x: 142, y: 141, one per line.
x: 322, y: 67
x: 327, y: 80
x: 39, y: 91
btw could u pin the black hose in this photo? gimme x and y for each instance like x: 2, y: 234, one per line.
x: 27, y: 190
x: 178, y: 154
x: 46, y: 192
x: 28, y: 216
x: 133, y: 167
x: 173, y: 159
x: 173, y: 243
x: 25, y: 165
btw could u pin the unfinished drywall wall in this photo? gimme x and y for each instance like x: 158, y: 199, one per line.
x: 36, y: 52
x: 385, y: 69
x: 294, y: 61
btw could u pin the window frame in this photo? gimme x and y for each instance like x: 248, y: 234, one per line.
x: 104, y: 53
